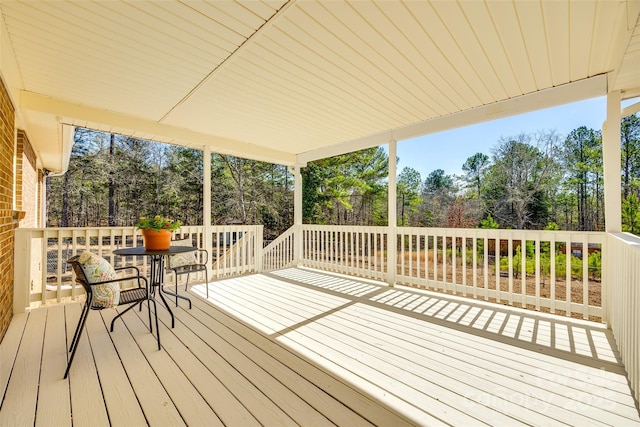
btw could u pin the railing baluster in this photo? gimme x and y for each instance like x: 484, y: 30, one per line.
x: 567, y: 258
x: 552, y: 268
x: 59, y: 268
x: 537, y: 285
x: 486, y: 265
x: 496, y: 261
x: 475, y: 265
x: 510, y: 260
x: 585, y: 277
x: 454, y: 261
x: 523, y: 272
x: 463, y: 249
x: 435, y: 259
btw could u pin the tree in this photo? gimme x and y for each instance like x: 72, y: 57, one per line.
x: 583, y: 163
x: 186, y: 168
x: 438, y: 192
x: 489, y: 223
x: 630, y: 140
x: 345, y: 189
x: 522, y: 173
x: 461, y: 213
x: 475, y: 168
x: 408, y: 194
x: 631, y: 214
x: 113, y: 179
x: 112, y: 182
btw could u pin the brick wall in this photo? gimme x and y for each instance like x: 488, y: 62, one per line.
x: 7, y: 224
x: 27, y: 182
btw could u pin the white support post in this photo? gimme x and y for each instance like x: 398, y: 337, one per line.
x: 392, y: 236
x: 42, y: 194
x: 611, y: 158
x: 22, y: 272
x: 611, y: 155
x: 206, y: 209
x: 258, y: 248
x: 297, y: 214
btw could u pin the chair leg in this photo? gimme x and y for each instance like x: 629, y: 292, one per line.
x: 175, y: 294
x: 120, y: 314
x: 149, y: 310
x: 176, y: 276
x: 155, y: 310
x: 85, y: 307
x: 76, y: 340
x: 206, y: 281
x: 185, y: 288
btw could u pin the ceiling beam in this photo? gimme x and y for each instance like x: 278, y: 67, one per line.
x: 66, y: 112
x: 564, y: 94
x: 232, y: 56
x: 630, y: 109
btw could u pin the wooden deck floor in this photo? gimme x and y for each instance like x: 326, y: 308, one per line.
x: 310, y: 348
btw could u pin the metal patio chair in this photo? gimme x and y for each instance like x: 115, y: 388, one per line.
x: 191, y: 262
x: 98, y: 278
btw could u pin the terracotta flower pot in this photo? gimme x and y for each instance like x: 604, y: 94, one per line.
x: 156, y: 240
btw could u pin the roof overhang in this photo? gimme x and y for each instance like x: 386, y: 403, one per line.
x: 293, y: 81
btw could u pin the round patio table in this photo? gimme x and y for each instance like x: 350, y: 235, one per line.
x: 157, y: 269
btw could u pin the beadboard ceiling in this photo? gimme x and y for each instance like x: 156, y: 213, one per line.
x: 292, y: 81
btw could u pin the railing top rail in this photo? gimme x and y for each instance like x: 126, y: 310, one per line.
x: 502, y: 231
x: 109, y: 229
x: 73, y: 228
x: 631, y: 240
x: 282, y: 237
x: 375, y: 228
x: 557, y: 235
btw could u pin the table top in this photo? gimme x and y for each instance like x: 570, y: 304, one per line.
x: 141, y: 250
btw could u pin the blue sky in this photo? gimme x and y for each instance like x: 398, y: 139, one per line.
x: 449, y: 150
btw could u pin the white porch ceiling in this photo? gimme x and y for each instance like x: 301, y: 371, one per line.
x: 292, y: 81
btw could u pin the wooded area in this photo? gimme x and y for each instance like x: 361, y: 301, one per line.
x: 528, y: 181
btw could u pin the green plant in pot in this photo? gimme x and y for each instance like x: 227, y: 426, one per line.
x: 156, y: 231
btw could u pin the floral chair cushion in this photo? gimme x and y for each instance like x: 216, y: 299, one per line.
x: 179, y: 260
x: 98, y: 269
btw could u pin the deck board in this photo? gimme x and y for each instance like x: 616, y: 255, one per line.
x: 21, y: 395
x: 9, y: 348
x: 304, y: 347
x: 54, y: 405
x: 272, y: 356
x: 188, y: 401
x: 202, y: 366
x: 87, y: 403
x: 289, y: 405
x: 120, y: 399
x: 154, y: 400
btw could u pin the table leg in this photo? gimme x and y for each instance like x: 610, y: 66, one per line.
x: 157, y: 275
x: 176, y: 294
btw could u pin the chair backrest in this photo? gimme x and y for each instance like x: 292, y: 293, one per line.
x: 179, y: 260
x: 81, y: 278
x: 97, y: 277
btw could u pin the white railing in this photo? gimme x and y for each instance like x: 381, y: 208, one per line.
x: 280, y: 253
x: 622, y: 272
x: 236, y: 250
x: 516, y: 267
x: 521, y: 268
x: 359, y: 251
x: 42, y: 274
